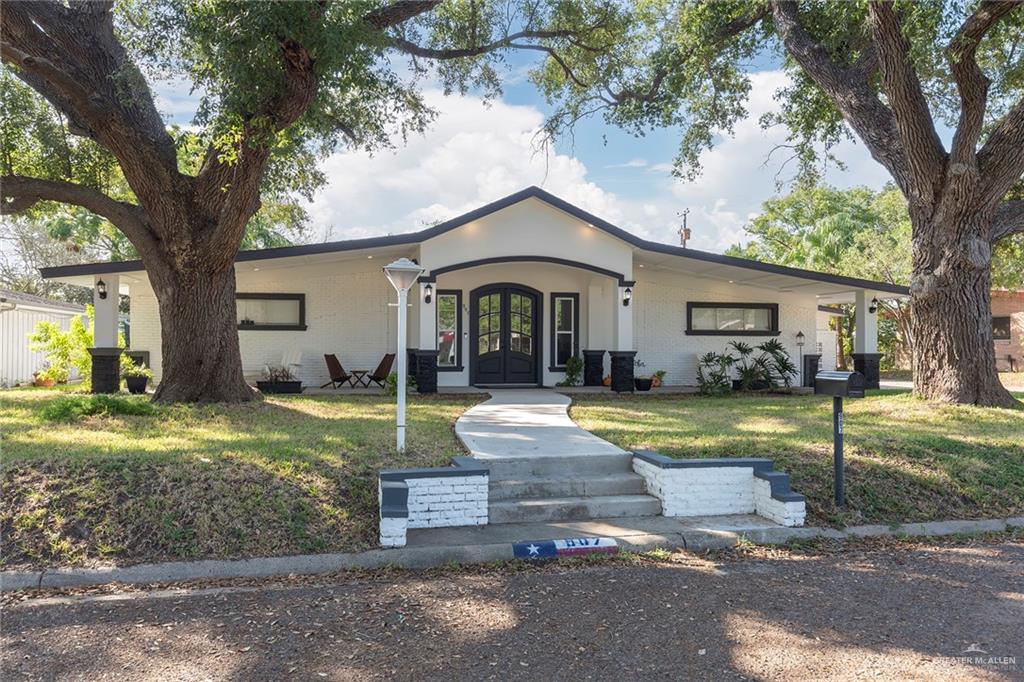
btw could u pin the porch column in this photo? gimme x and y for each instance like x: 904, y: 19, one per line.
x: 106, y: 356
x: 426, y: 349
x: 866, y: 358
x: 623, y: 356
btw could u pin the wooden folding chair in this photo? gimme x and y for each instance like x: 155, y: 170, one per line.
x: 339, y: 377
x: 379, y: 376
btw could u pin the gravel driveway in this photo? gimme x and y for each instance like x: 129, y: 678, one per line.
x: 883, y: 610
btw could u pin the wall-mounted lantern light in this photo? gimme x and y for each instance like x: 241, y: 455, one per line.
x: 428, y: 292
x: 873, y: 308
x: 627, y: 296
x: 101, y: 289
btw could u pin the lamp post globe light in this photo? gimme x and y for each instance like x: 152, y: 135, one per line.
x: 402, y: 274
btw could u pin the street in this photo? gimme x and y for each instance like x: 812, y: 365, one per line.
x: 887, y: 610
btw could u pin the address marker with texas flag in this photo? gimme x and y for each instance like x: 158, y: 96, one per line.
x: 549, y: 549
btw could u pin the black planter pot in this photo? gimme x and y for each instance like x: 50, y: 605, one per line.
x: 642, y: 384
x: 136, y: 385
x: 737, y: 385
x: 279, y: 386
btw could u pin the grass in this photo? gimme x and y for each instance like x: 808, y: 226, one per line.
x: 289, y: 475
x: 906, y: 459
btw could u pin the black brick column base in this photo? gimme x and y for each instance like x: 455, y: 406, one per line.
x: 426, y: 371
x: 870, y: 365
x: 811, y: 364
x: 593, y: 367
x: 106, y: 369
x: 622, y: 370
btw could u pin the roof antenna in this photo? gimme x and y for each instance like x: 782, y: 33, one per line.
x: 684, y: 231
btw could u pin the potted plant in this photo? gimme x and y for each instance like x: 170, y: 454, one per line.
x: 279, y: 380
x: 42, y: 379
x: 658, y: 378
x: 642, y: 382
x: 136, y: 377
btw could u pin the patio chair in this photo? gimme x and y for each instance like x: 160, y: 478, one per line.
x: 380, y: 375
x: 339, y: 377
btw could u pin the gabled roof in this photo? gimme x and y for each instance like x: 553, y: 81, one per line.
x: 528, y: 193
x: 39, y: 301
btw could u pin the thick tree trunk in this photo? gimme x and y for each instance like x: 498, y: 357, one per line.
x: 953, y: 352
x: 201, y: 358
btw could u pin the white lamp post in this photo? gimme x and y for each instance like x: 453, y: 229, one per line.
x: 402, y: 274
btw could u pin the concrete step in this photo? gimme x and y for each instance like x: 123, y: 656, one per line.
x: 558, y: 466
x: 591, y: 486
x: 572, y: 508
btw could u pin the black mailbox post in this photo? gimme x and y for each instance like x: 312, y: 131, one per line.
x: 839, y: 385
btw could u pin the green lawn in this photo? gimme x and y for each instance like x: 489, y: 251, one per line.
x: 906, y: 460
x: 288, y: 475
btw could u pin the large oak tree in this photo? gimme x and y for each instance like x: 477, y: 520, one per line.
x: 279, y: 81
x: 890, y: 74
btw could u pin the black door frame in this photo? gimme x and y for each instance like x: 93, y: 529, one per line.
x: 538, y: 322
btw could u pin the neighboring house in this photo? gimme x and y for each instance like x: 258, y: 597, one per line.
x: 1008, y: 329
x: 19, y: 314
x: 510, y: 292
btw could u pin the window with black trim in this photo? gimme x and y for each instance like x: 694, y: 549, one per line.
x: 732, y: 319
x: 449, y: 331
x: 271, y: 311
x: 1001, y: 328
x: 565, y: 324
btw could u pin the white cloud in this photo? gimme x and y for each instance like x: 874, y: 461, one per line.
x: 738, y: 175
x: 475, y: 154
x: 472, y: 155
x: 632, y: 163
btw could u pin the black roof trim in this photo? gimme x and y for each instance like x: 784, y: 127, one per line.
x: 493, y: 207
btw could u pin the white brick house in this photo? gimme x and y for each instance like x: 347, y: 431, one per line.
x: 510, y: 291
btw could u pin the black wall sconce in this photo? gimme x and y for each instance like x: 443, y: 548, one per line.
x: 428, y: 293
x: 873, y: 308
x: 101, y: 289
x: 627, y: 296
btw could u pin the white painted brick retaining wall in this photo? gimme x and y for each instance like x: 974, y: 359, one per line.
x: 782, y: 513
x: 699, y: 492
x: 447, y: 499
x: 708, y: 490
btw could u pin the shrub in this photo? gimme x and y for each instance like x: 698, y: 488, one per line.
x: 391, y: 385
x: 277, y: 374
x: 573, y: 372
x: 713, y: 372
x: 73, y: 408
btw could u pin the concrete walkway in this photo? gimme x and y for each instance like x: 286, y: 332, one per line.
x: 532, y: 422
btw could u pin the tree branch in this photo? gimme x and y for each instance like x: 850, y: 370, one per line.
x: 1009, y: 219
x: 972, y: 85
x: 398, y: 12
x: 1001, y: 160
x: 508, y: 41
x: 849, y: 89
x: 921, y: 143
x: 18, y: 193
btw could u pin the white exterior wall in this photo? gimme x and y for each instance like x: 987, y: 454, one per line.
x: 17, y: 361
x: 529, y: 228
x: 347, y: 311
x: 660, y: 299
x: 347, y: 314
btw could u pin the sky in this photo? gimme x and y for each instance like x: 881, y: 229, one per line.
x: 477, y: 152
